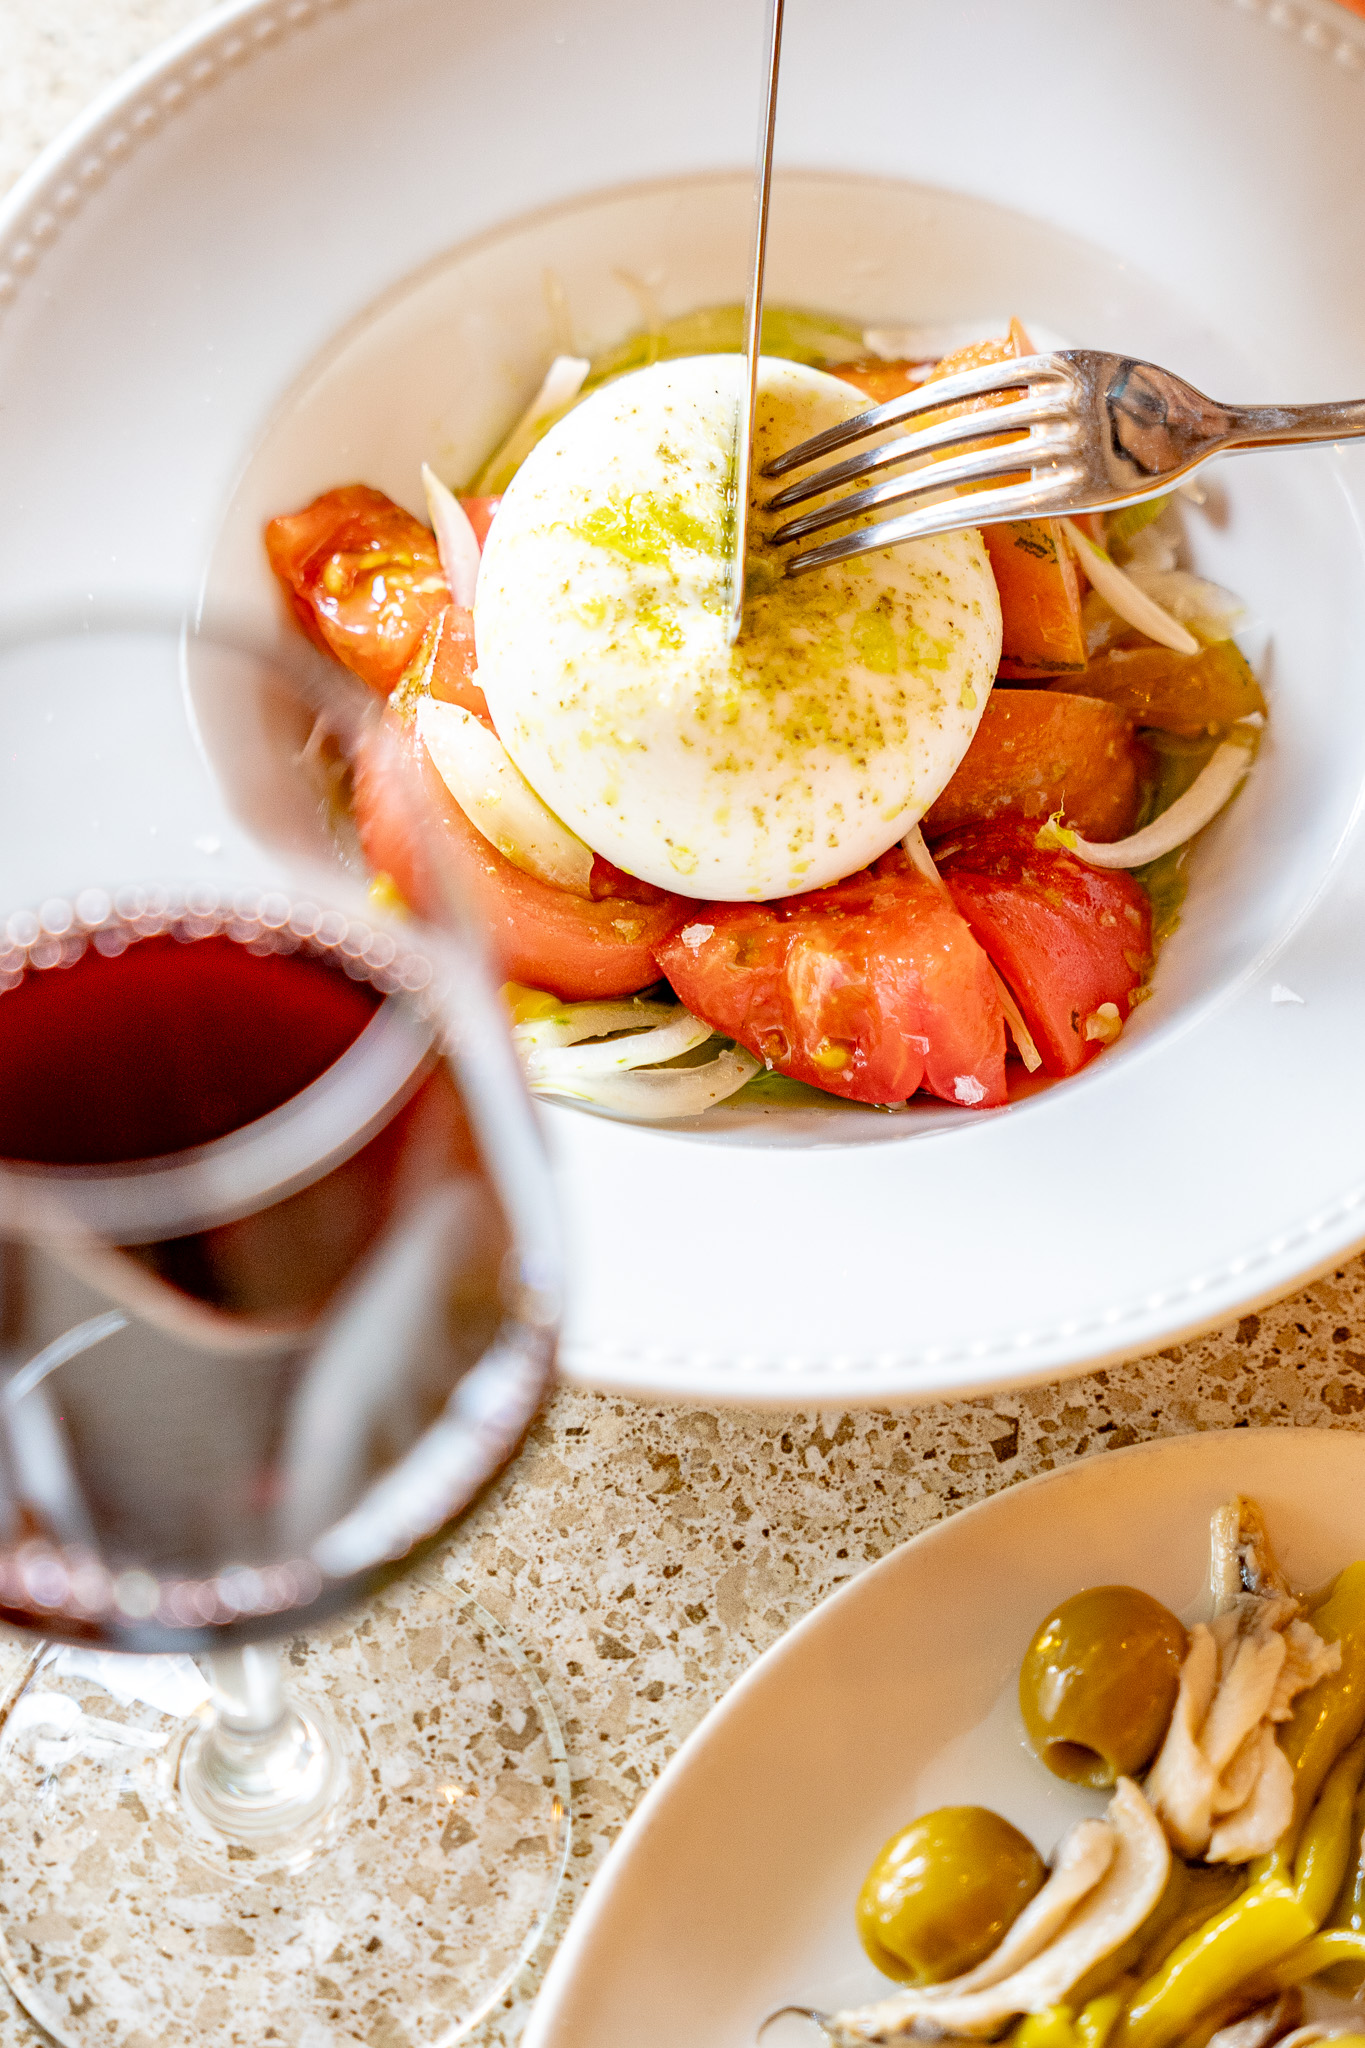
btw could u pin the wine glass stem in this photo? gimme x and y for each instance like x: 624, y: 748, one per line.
x: 248, y: 1689
x: 258, y: 1767
x: 252, y: 1746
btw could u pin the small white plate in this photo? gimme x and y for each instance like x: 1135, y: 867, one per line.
x: 731, y: 1890
x: 310, y: 243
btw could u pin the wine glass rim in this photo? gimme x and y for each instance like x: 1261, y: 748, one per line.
x: 302, y: 1139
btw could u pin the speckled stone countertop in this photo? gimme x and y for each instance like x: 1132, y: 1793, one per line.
x: 644, y: 1556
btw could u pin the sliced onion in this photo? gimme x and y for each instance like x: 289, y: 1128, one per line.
x: 570, y: 1023
x: 456, y: 541
x: 1217, y: 780
x: 1120, y: 591
x: 683, y: 1033
x: 1213, y: 612
x: 498, y: 800
x: 1014, y: 1017
x: 563, y: 381
x: 920, y: 858
x: 1130, y: 524
x: 1156, y: 547
x: 660, y: 1093
x: 624, y: 1074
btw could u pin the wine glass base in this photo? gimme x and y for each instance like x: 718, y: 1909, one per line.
x: 398, y: 1920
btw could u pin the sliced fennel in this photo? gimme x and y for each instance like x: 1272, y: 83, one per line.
x: 1156, y: 545
x: 1121, y: 528
x: 498, y: 800
x: 920, y: 858
x: 456, y: 541
x: 607, y: 1071
x: 1127, y: 599
x: 563, y: 383
x: 649, y: 1048
x: 560, y: 1024
x: 1014, y: 1017
x: 1212, y: 787
x: 1212, y: 612
x: 660, y: 1093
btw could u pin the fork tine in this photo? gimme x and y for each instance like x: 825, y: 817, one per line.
x: 982, y: 383
x: 1041, y: 445
x: 1024, y: 412
x: 976, y: 509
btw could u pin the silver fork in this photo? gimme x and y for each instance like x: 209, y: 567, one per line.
x: 1093, y: 431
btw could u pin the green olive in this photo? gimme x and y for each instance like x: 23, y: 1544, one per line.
x: 944, y: 1891
x: 1098, y: 1683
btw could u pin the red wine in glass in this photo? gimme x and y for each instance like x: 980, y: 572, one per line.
x: 208, y: 1417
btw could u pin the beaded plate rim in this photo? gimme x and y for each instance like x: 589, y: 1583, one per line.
x: 100, y: 141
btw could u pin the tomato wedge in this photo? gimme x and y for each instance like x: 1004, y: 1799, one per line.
x: 1040, y: 596
x: 576, y: 948
x: 445, y: 664
x: 1193, y: 694
x: 870, y: 990
x: 1073, y: 942
x: 1036, y: 752
x: 364, y: 579
x: 480, y: 512
x: 882, y: 380
x: 1040, y: 592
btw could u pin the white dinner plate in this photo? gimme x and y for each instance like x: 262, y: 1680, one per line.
x: 731, y: 1889
x: 318, y: 239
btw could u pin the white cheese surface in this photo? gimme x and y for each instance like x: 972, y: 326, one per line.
x: 753, y: 771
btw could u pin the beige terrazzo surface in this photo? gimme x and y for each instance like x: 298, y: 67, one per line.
x: 644, y: 1556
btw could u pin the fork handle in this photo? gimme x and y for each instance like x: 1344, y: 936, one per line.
x: 1279, y: 426
x: 1158, y: 425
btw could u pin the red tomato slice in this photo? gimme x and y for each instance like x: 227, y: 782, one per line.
x: 883, y: 380
x: 364, y: 579
x: 1031, y: 757
x: 576, y: 948
x: 480, y: 514
x: 1040, y: 593
x: 870, y: 990
x: 445, y: 663
x: 1035, y: 573
x: 1073, y: 942
x: 1040, y: 599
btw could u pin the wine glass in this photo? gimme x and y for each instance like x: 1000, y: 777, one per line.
x: 279, y: 1287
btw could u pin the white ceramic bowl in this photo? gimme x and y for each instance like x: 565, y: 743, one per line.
x: 308, y: 245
